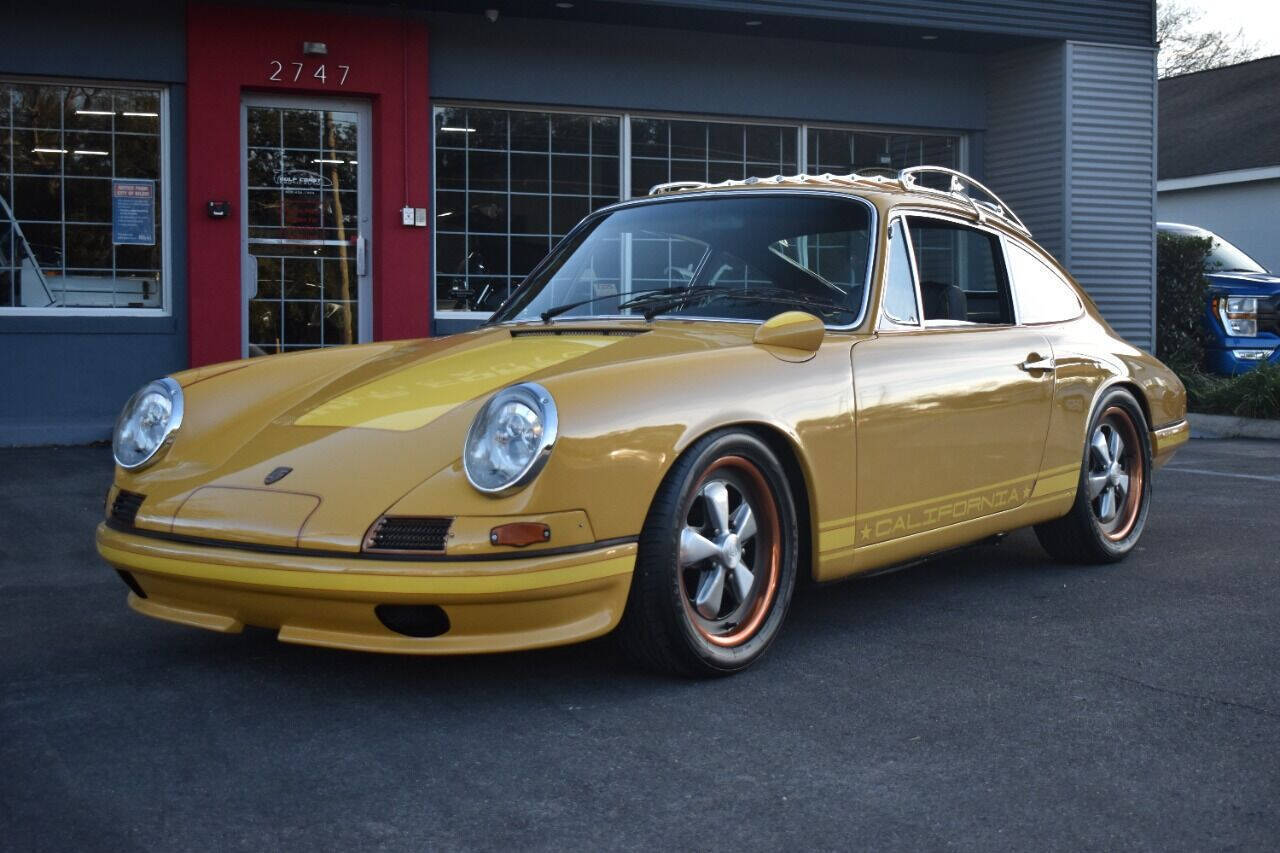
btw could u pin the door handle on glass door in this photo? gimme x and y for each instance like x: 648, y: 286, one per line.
x: 1036, y: 362
x: 362, y: 265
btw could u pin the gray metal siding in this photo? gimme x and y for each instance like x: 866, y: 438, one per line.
x: 1111, y: 183
x: 1105, y: 21
x: 1025, y: 162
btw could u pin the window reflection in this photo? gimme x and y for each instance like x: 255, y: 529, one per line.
x: 303, y: 223
x: 509, y: 184
x: 61, y: 148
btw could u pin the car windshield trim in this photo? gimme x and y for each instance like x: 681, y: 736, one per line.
x: 568, y: 242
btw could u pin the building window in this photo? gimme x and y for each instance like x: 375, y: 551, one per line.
x: 82, y: 180
x: 509, y: 184
x: 841, y: 151
x: 665, y: 150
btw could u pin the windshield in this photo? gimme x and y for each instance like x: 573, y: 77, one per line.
x: 1225, y: 257
x: 741, y: 257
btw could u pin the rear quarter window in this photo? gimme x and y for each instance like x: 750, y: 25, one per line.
x: 1042, y: 294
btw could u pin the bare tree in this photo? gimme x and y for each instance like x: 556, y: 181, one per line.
x: 1186, y: 46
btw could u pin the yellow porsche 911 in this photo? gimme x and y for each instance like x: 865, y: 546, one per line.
x: 696, y: 399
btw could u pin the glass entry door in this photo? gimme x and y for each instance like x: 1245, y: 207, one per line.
x: 306, y: 253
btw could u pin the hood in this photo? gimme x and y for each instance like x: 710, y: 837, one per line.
x: 1245, y: 283
x: 360, y: 427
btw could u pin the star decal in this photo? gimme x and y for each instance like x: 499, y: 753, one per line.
x: 866, y: 532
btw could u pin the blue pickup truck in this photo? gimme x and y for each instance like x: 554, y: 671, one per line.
x: 1243, y: 311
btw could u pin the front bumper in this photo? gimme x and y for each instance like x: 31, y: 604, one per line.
x: 1223, y: 360
x: 1166, y: 441
x: 492, y: 606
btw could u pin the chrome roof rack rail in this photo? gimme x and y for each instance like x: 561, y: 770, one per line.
x: 958, y: 188
x: 828, y: 179
x: 673, y: 186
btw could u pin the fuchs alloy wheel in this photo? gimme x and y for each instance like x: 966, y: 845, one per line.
x: 1113, y: 497
x: 717, y: 561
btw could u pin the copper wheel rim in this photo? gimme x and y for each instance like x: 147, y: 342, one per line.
x: 1115, y: 473
x: 729, y: 553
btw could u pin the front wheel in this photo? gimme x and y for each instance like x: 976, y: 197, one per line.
x: 1114, y: 493
x: 717, y: 561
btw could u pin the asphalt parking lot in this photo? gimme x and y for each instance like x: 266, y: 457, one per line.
x: 983, y: 700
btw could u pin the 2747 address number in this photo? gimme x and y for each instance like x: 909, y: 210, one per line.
x: 280, y: 72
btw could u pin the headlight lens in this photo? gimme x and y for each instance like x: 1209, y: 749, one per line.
x: 510, y: 439
x: 1239, y: 315
x: 149, y: 419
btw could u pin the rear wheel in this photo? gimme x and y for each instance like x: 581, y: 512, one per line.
x: 1112, y: 498
x: 717, y: 561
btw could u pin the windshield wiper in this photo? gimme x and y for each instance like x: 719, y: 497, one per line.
x: 658, y: 302
x: 556, y: 310
x: 790, y: 297
x: 654, y: 305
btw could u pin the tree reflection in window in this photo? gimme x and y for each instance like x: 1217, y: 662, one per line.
x: 61, y: 146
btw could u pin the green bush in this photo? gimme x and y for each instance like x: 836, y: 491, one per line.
x: 1255, y: 394
x: 1181, y: 294
x: 1181, y: 291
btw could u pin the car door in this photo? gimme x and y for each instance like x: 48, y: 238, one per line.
x: 952, y: 397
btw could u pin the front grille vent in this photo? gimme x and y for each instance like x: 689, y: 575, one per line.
x: 124, y: 509
x: 604, y: 333
x: 408, y: 534
x: 1269, y: 315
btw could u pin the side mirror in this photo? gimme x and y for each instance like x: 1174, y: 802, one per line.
x: 791, y: 335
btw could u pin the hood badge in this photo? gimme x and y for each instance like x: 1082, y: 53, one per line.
x: 276, y: 476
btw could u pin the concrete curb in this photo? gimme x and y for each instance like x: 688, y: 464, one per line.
x: 1227, y: 426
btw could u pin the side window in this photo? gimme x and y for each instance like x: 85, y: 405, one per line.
x: 1043, y: 297
x: 899, y: 283
x: 961, y: 272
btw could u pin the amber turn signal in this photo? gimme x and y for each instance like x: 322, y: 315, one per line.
x: 519, y: 534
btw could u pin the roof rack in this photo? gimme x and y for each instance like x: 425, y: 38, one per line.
x: 828, y: 179
x: 958, y: 188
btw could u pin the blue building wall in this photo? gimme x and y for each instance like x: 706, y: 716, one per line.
x: 63, y: 379
x: 628, y: 67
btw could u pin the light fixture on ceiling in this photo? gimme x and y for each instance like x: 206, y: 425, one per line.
x: 140, y: 115
x: 48, y: 151
x: 458, y: 129
x: 94, y: 113
x: 327, y: 160
x: 928, y: 38
x: 563, y: 5
x: 90, y: 153
x: 753, y: 23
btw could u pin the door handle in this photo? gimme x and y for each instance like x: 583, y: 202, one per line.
x: 1036, y: 362
x: 362, y: 265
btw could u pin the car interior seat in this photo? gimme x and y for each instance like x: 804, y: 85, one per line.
x: 943, y: 301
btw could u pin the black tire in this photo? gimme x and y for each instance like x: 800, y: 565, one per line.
x: 669, y: 625
x: 1089, y: 533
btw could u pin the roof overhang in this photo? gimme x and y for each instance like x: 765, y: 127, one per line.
x: 1215, y: 179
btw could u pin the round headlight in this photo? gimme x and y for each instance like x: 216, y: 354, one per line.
x: 148, y: 421
x: 510, y: 439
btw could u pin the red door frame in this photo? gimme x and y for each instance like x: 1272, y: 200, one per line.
x: 231, y: 50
